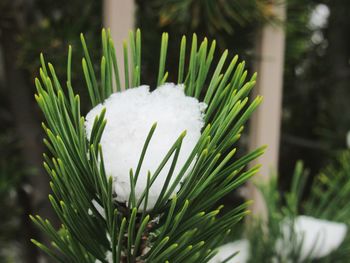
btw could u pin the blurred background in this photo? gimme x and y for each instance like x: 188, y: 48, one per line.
x: 301, y: 50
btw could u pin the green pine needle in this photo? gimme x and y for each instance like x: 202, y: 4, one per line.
x: 182, y: 226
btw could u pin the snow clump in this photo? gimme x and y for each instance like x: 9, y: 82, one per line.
x: 130, y: 115
x: 317, y: 238
x: 241, y: 247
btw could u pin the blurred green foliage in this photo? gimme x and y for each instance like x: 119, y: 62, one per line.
x: 11, y: 176
x: 329, y: 197
x: 265, y: 231
x: 54, y: 25
x: 232, y: 23
x: 316, y: 109
x: 328, y: 200
x: 25, y: 28
x: 214, y: 17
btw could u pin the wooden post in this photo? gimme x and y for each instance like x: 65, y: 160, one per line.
x: 266, y: 121
x: 118, y: 15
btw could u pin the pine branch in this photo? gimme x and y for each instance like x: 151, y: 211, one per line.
x: 185, y: 226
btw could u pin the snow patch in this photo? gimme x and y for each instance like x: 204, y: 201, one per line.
x: 109, y: 258
x: 317, y: 237
x: 241, y: 246
x: 130, y: 115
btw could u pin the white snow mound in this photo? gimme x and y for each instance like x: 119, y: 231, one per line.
x: 241, y: 246
x: 130, y: 115
x: 109, y: 258
x: 317, y: 237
